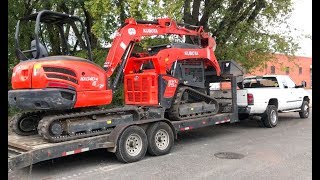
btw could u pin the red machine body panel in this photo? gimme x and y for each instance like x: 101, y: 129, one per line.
x: 93, y: 98
x: 22, y: 75
x: 172, y: 84
x: 141, y: 88
x: 84, y: 77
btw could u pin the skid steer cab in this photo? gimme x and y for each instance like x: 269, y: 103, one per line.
x: 50, y: 75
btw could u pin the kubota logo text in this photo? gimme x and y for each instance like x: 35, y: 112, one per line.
x: 191, y: 53
x: 149, y: 31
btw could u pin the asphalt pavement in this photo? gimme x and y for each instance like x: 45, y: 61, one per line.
x: 283, y: 152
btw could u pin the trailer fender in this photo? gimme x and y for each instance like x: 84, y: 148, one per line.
x: 117, y: 131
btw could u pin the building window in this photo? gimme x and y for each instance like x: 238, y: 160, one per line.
x: 273, y: 70
x: 287, y: 70
x: 300, y: 70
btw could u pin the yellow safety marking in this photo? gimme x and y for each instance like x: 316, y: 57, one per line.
x: 37, y: 66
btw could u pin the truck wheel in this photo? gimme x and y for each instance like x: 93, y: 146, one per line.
x: 132, y: 145
x: 270, y: 117
x: 304, y: 113
x: 160, y: 139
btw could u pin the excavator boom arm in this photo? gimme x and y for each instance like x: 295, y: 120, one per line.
x: 132, y: 31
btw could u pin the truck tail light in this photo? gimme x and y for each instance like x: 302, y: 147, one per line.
x: 250, y: 99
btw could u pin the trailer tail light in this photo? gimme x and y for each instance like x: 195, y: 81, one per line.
x: 250, y: 99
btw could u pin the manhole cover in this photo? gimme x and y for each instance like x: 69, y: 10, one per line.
x: 228, y: 155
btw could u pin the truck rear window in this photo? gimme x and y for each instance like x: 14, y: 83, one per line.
x: 260, y: 82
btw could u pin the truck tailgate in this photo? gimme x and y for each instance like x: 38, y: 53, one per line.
x: 242, y: 97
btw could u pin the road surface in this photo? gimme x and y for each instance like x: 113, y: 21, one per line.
x: 284, y: 152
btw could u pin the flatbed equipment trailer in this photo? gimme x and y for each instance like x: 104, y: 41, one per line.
x: 24, y: 151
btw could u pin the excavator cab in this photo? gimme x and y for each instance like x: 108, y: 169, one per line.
x: 66, y: 34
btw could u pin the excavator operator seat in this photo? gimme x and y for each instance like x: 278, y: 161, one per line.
x: 43, y: 50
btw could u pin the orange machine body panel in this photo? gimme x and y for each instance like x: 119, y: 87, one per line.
x: 87, y: 79
x: 172, y: 84
x: 141, y: 88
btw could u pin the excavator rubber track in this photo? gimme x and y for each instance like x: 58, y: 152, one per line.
x: 174, y: 111
x: 25, y: 123
x: 45, y: 124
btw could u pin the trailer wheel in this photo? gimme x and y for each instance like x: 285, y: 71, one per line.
x: 304, y: 113
x: 160, y: 139
x: 270, y: 117
x: 132, y: 144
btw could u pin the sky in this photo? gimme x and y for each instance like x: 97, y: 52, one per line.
x: 301, y: 19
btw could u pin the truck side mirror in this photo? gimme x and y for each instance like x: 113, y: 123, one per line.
x: 303, y: 85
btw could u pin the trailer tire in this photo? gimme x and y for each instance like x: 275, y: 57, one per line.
x: 160, y: 139
x: 270, y: 117
x: 304, y: 113
x: 132, y: 145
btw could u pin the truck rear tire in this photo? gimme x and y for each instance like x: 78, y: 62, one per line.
x: 132, y: 145
x: 270, y: 117
x: 160, y: 139
x: 304, y: 113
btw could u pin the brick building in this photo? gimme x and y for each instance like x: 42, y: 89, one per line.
x: 298, y: 68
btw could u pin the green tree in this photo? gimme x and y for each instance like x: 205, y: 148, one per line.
x: 244, y: 30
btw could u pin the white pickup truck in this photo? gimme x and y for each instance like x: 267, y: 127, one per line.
x: 267, y: 95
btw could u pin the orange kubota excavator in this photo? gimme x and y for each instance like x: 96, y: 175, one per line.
x: 170, y: 80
